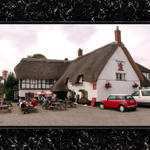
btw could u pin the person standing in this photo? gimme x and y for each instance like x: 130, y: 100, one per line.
x: 20, y: 100
x: 54, y: 97
x: 45, y: 102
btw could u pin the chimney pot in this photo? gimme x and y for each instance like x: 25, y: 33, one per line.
x: 80, y: 52
x: 118, y: 35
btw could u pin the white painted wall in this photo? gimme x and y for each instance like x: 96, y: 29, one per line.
x: 109, y: 75
x: 85, y: 86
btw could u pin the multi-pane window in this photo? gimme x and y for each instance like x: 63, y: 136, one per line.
x: 36, y: 84
x: 51, y: 82
x: 43, y: 84
x: 21, y: 83
x: 120, y: 76
x: 27, y: 84
x: 32, y: 83
x: 47, y: 83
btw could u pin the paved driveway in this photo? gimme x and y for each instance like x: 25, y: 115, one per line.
x: 80, y: 116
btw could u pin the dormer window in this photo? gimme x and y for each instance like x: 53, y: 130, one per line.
x: 147, y: 75
x: 80, y: 79
x: 67, y: 81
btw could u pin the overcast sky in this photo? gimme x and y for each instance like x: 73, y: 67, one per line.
x: 63, y: 41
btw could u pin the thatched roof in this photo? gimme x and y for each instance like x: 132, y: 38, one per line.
x: 146, y: 82
x: 32, y: 68
x: 91, y: 65
x: 143, y: 69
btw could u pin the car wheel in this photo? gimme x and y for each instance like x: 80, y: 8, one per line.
x: 101, y: 106
x: 121, y: 108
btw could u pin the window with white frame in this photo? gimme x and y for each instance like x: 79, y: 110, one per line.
x: 32, y: 83
x: 35, y: 84
x: 20, y: 83
x: 23, y: 83
x: 80, y: 79
x: 47, y: 83
x: 43, y: 83
x: 120, y: 76
x: 27, y: 83
x: 39, y: 84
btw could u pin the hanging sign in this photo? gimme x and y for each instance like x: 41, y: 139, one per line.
x: 120, y: 66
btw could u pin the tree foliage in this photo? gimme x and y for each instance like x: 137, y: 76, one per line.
x: 9, y: 94
x: 1, y: 89
x: 11, y: 85
x: 37, y: 56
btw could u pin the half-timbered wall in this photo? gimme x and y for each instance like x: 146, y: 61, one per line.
x: 35, y: 84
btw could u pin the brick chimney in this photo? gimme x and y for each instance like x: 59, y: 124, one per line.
x: 4, y: 74
x: 80, y: 52
x: 118, y: 35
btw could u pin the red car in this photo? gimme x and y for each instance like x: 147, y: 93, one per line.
x: 120, y: 102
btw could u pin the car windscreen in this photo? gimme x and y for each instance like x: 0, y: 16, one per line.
x: 128, y: 97
x: 136, y: 93
x: 145, y: 93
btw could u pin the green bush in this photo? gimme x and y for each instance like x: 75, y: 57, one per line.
x: 11, y: 85
x: 9, y: 94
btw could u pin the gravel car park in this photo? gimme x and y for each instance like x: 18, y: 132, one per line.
x: 79, y: 116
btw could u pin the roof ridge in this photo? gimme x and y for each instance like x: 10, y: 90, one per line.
x: 94, y: 51
x: 43, y: 60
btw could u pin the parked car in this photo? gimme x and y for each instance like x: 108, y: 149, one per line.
x: 142, y: 96
x: 121, y: 102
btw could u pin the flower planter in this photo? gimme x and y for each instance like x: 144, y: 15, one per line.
x: 135, y: 85
x: 108, y: 85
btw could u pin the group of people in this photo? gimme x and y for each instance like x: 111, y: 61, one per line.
x: 32, y: 101
x: 24, y: 103
x: 48, y: 100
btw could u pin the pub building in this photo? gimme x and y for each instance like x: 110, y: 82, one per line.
x: 93, y: 76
